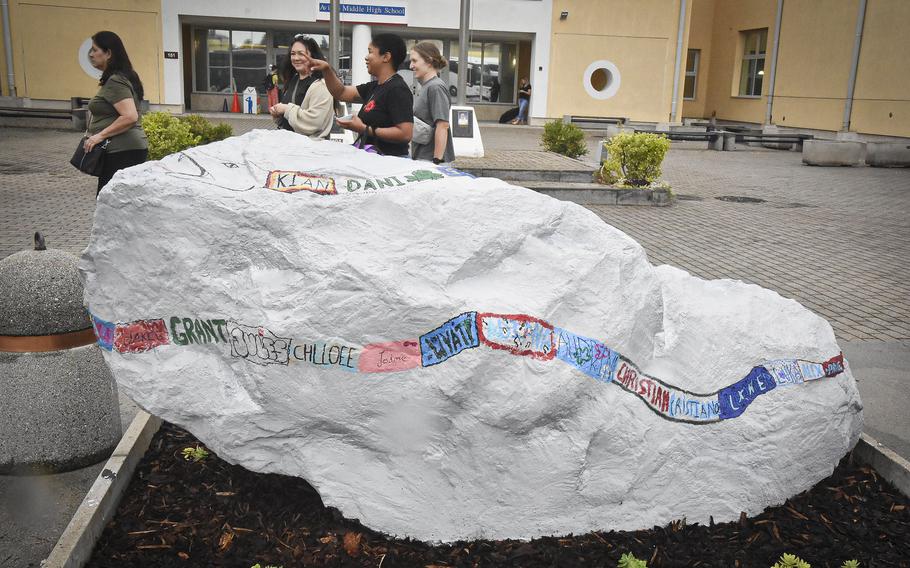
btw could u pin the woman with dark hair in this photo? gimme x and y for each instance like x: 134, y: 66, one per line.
x: 115, y: 114
x: 431, y: 106
x: 386, y: 120
x: 306, y: 106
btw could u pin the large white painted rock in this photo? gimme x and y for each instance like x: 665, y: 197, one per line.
x: 448, y: 358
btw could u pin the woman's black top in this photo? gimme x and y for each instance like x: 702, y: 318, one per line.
x: 525, y: 92
x: 386, y: 105
x: 294, y: 91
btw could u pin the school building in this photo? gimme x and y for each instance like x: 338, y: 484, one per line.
x: 831, y: 65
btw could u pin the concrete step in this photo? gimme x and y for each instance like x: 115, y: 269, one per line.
x: 589, y: 193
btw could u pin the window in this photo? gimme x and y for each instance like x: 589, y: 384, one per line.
x: 226, y: 61
x: 491, y: 71
x: 753, y: 63
x: 691, y: 84
x: 218, y: 58
x: 249, y: 59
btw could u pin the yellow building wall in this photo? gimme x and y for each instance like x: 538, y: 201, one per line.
x: 731, y: 18
x: 813, y: 64
x: 638, y: 36
x: 700, y: 34
x: 47, y: 37
x: 881, y: 99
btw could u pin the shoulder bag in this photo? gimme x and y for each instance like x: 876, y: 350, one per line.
x: 89, y: 162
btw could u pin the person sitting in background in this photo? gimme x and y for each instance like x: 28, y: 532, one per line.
x: 306, y: 106
x: 431, y: 106
x: 386, y: 120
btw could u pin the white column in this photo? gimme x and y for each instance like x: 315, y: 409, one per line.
x: 361, y: 36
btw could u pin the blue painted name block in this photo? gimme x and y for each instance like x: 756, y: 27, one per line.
x: 449, y: 339
x: 590, y: 356
x: 735, y: 398
x: 104, y: 331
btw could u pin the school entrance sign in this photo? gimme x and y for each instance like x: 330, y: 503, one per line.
x: 367, y: 12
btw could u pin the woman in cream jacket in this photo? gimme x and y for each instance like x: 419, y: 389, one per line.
x: 306, y: 105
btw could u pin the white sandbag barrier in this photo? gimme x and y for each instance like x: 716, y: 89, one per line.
x: 444, y: 357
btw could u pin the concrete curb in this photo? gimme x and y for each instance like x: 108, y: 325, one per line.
x: 887, y: 463
x: 583, y: 194
x: 513, y: 175
x: 78, y: 540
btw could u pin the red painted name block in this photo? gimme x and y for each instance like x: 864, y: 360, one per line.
x: 388, y: 357
x: 139, y: 336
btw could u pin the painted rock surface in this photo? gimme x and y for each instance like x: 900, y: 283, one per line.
x: 444, y: 357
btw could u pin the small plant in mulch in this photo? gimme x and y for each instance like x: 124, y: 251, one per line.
x: 794, y: 561
x: 179, y: 513
x: 563, y: 138
x: 196, y: 454
x: 633, y: 161
x: 628, y: 560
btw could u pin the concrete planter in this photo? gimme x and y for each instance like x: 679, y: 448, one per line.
x: 888, y: 154
x: 834, y: 153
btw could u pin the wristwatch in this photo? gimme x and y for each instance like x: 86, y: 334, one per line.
x: 436, y: 160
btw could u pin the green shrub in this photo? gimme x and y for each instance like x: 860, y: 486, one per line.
x: 166, y: 134
x: 565, y: 139
x: 205, y: 130
x: 633, y: 159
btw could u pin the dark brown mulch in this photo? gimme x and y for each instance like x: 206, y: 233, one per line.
x: 180, y: 513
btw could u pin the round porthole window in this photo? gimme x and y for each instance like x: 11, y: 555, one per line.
x: 601, y: 79
x: 84, y: 62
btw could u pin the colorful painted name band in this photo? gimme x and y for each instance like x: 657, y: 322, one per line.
x: 518, y: 334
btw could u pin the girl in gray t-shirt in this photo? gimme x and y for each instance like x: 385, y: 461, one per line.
x: 431, y: 105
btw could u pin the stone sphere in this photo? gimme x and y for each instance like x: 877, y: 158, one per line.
x: 42, y: 294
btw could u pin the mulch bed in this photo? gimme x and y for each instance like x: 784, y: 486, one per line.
x: 210, y: 513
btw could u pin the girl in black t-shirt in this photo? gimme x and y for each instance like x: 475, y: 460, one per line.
x: 386, y: 119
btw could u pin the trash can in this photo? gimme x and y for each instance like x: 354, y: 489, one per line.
x: 59, y: 408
